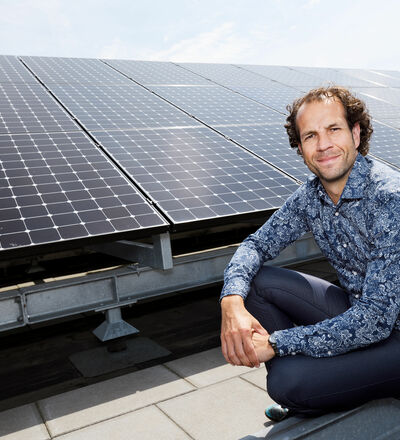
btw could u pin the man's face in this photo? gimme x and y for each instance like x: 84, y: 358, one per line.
x: 328, y: 146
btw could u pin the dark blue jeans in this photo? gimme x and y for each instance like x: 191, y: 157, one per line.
x: 279, y: 299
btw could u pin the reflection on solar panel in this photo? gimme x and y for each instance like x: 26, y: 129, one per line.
x: 334, y: 76
x: 195, y: 174
x: 60, y: 186
x: 114, y: 107
x: 218, y: 106
x: 368, y: 75
x: 13, y: 71
x: 380, y: 110
x: 390, y: 73
x: 385, y: 144
x: 271, y: 143
x: 228, y: 75
x: 390, y: 95
x: 73, y: 70
x: 285, y: 75
x: 30, y: 108
x: 156, y: 72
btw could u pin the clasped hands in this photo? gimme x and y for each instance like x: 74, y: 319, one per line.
x: 243, y: 339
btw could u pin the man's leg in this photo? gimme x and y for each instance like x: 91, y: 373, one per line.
x: 280, y: 298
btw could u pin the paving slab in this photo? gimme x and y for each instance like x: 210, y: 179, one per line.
x: 226, y: 410
x: 257, y: 377
x: 88, y: 405
x: 22, y: 423
x: 144, y: 424
x: 205, y: 368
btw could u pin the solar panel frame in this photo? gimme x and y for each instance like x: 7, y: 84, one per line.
x: 58, y: 187
x: 196, y: 175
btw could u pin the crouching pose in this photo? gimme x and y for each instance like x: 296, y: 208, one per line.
x: 326, y: 347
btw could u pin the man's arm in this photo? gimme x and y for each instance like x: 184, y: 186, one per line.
x: 238, y: 325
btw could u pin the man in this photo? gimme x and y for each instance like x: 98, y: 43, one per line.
x: 326, y: 347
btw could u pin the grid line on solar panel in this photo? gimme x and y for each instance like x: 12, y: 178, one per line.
x: 270, y: 142
x: 284, y: 75
x: 388, y: 73
x: 195, y: 174
x: 218, y: 105
x: 390, y: 95
x: 156, y: 72
x: 328, y: 75
x: 385, y: 143
x: 30, y: 108
x: 118, y: 107
x: 369, y: 75
x: 378, y: 108
x: 60, y: 186
x: 228, y: 75
x: 13, y: 71
x: 73, y: 70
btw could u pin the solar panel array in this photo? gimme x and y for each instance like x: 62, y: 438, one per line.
x: 92, y: 148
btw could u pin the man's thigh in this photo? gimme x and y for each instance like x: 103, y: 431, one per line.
x: 313, y: 385
x: 287, y: 297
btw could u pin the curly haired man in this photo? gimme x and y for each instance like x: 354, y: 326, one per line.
x: 326, y: 347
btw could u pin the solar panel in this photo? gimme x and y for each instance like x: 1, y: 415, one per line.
x: 385, y: 143
x: 60, y: 186
x: 13, y: 71
x: 218, y: 106
x: 390, y: 95
x: 284, y: 75
x: 271, y: 143
x: 390, y: 73
x: 195, y: 174
x: 228, y: 75
x: 369, y: 75
x: 277, y: 97
x: 334, y: 76
x: 118, y: 107
x: 30, y: 108
x: 156, y: 72
x: 73, y: 70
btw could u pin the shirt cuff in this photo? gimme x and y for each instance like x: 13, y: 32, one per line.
x: 235, y: 287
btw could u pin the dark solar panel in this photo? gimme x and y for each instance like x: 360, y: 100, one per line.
x: 271, y: 143
x: 73, y: 70
x: 13, y: 71
x: 385, y: 143
x: 30, y: 108
x: 228, y: 75
x: 377, y: 78
x: 284, y: 75
x: 156, y: 72
x: 60, y: 186
x: 218, y: 106
x: 118, y: 107
x: 334, y: 76
x: 195, y: 174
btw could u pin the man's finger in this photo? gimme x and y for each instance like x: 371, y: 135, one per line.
x: 251, y: 352
x: 239, y: 348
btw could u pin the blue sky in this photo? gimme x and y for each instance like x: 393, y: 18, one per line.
x: 339, y: 33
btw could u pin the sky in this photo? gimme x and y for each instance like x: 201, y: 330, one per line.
x: 341, y: 33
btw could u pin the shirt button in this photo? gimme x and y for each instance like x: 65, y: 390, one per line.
x: 354, y: 272
x: 329, y: 352
x: 293, y: 353
x: 357, y: 296
x: 345, y: 245
x: 336, y: 213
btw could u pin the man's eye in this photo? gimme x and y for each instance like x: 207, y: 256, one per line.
x: 309, y: 136
x: 335, y: 128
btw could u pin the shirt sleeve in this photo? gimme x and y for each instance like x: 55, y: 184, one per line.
x: 371, y: 318
x: 282, y: 228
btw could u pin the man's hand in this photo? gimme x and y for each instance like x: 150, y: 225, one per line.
x: 262, y: 347
x: 237, y: 328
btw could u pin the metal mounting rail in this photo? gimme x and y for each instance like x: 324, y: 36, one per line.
x: 126, y: 285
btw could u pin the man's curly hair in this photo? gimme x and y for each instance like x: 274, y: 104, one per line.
x: 355, y: 111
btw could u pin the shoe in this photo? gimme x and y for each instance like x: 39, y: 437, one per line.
x: 276, y: 412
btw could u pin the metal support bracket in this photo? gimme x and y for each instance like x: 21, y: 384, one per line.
x: 157, y: 255
x: 114, y: 326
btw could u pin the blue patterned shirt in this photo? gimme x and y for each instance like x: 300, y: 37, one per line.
x: 360, y: 236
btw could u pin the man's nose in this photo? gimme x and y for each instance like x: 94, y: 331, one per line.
x: 324, y: 141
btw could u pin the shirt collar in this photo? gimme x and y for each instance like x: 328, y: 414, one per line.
x: 355, y: 185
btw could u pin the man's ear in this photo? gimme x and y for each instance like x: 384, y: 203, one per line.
x: 356, y: 134
x: 299, y: 147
